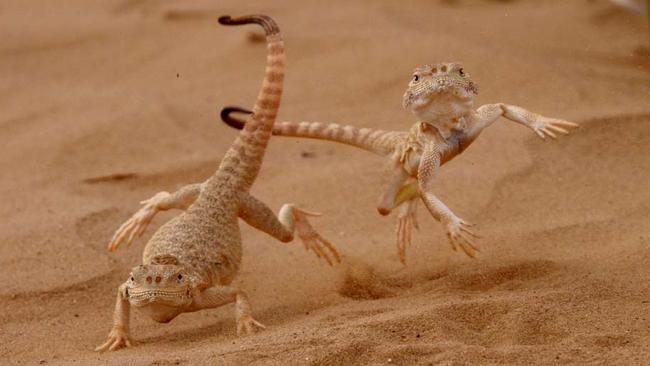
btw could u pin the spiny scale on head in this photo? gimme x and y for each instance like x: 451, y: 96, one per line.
x: 451, y: 72
x: 430, y: 79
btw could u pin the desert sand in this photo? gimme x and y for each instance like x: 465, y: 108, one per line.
x: 105, y: 103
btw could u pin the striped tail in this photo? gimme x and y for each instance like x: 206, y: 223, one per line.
x: 377, y: 141
x: 243, y: 160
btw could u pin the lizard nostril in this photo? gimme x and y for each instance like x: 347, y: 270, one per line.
x: 149, y: 279
x: 158, y: 279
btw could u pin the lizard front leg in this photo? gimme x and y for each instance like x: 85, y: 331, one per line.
x: 457, y: 229
x: 542, y: 126
x: 216, y: 296
x: 119, y: 334
x: 161, y: 201
x: 290, y: 219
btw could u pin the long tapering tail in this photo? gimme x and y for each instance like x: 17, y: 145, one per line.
x: 243, y: 160
x: 377, y: 141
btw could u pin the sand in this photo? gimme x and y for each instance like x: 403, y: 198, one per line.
x: 105, y: 103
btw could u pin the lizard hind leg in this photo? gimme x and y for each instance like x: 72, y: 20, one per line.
x: 294, y: 218
x: 290, y: 220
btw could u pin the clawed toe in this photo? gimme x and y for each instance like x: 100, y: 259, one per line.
x: 403, y: 238
x: 460, y: 236
x: 318, y: 245
x: 248, y: 326
x: 114, y: 342
x: 312, y: 240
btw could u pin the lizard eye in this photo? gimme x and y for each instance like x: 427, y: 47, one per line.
x: 416, y: 78
x: 180, y: 277
x: 132, y: 279
x: 460, y: 71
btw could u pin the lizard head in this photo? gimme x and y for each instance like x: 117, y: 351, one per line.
x: 161, y: 284
x: 440, y: 89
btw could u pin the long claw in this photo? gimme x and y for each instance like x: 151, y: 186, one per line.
x: 117, y: 237
x: 114, y: 342
x: 451, y: 242
x: 327, y: 259
x: 540, y: 134
x: 320, y: 253
x: 400, y: 241
x: 259, y: 324
x: 415, y: 222
x: 311, y: 239
x: 332, y: 249
x: 558, y: 129
x: 141, y: 230
x: 310, y: 213
x: 104, y: 346
x: 549, y: 132
x: 407, y: 235
x: 566, y: 123
x: 121, y: 233
x: 131, y: 237
x: 466, y: 230
x: 246, y: 325
x: 113, y: 346
x: 316, y: 250
x: 400, y: 250
x: 469, y: 242
x: 467, y: 252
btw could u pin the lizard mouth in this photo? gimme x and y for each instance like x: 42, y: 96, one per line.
x: 141, y: 297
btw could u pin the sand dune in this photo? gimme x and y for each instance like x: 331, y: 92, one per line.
x: 106, y: 103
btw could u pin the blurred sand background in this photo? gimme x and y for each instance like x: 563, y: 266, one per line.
x: 105, y: 103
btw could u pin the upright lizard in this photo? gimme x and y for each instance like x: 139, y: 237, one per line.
x: 190, y: 262
x: 442, y: 98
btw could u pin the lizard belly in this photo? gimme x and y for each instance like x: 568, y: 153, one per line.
x: 411, y: 162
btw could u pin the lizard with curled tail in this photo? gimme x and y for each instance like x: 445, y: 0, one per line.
x: 191, y: 261
x: 441, y: 96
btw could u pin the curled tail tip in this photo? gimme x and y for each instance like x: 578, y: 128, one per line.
x: 233, y: 121
x: 269, y: 25
x: 225, y: 19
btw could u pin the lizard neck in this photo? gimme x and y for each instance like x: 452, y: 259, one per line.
x: 447, y: 124
x: 446, y: 115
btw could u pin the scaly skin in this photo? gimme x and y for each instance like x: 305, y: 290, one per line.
x: 190, y: 262
x: 441, y: 96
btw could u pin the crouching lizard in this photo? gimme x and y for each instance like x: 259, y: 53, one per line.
x: 441, y: 96
x: 190, y: 262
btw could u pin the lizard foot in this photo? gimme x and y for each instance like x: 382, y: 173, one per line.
x: 247, y: 325
x: 460, y: 236
x: 311, y: 239
x: 545, y: 126
x: 136, y: 225
x: 406, y: 219
x: 117, y: 339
